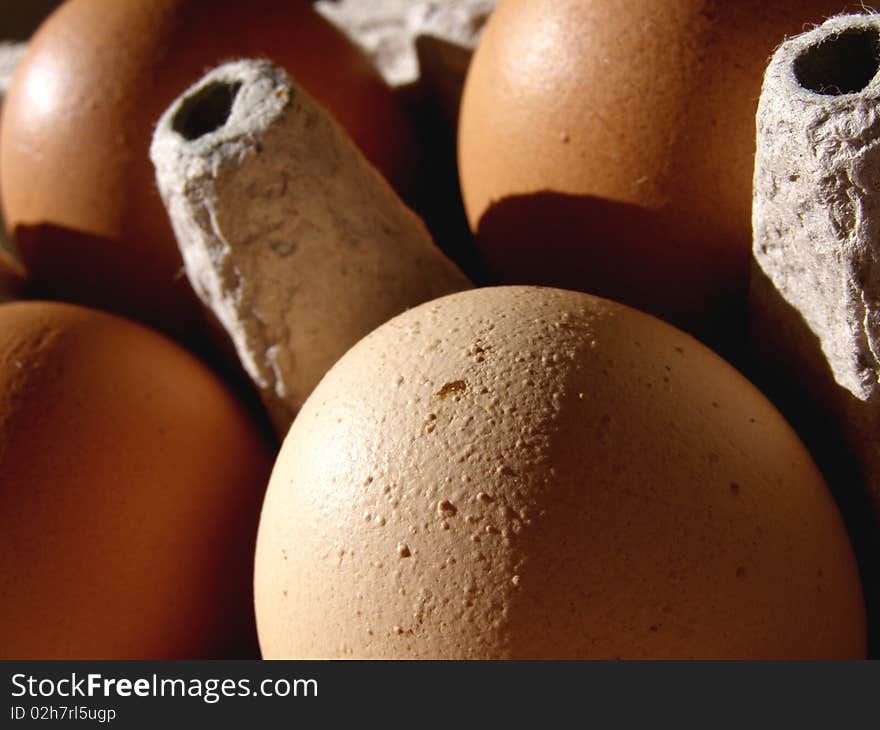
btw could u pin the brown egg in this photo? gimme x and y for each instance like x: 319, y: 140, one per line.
x: 607, y: 146
x: 534, y: 473
x: 78, y: 186
x: 130, y: 485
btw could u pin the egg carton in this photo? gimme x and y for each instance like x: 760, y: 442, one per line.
x: 815, y: 294
x: 263, y: 270
x: 402, y: 36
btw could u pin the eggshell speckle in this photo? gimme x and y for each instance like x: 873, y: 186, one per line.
x: 520, y: 472
x: 130, y: 485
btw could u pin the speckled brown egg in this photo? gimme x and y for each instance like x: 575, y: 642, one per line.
x: 130, y: 485
x: 608, y: 146
x: 78, y: 187
x: 521, y: 472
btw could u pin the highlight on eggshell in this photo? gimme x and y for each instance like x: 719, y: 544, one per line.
x: 130, y: 484
x: 532, y: 473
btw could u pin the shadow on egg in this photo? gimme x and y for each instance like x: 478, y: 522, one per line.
x: 643, y: 606
x: 50, y: 253
x: 793, y: 390
x: 436, y: 196
x: 577, y: 242
x: 66, y: 264
x: 12, y: 278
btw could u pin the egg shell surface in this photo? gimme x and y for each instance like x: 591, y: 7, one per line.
x: 130, y: 486
x: 532, y: 473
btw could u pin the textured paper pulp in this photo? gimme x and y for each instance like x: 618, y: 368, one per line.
x: 816, y: 221
x: 294, y: 241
